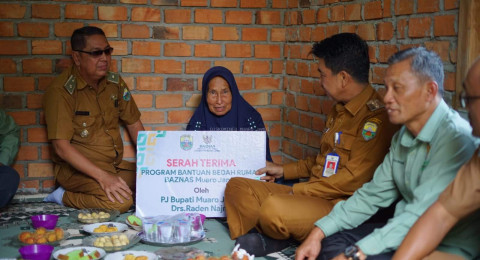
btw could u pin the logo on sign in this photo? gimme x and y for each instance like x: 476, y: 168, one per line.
x: 207, y: 139
x: 186, y: 142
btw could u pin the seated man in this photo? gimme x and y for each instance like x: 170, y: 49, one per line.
x: 355, y: 140
x: 424, y: 157
x: 83, y: 107
x: 461, y: 200
x: 9, y: 143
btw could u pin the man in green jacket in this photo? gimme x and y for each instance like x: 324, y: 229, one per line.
x: 424, y: 157
x: 9, y: 143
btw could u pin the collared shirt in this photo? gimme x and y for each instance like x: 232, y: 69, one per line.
x: 360, y: 151
x: 89, y: 117
x: 9, y: 138
x: 416, y: 170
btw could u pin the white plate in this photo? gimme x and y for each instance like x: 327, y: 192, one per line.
x: 88, y: 249
x: 113, y: 214
x: 89, y: 228
x: 121, y: 255
x: 133, y: 239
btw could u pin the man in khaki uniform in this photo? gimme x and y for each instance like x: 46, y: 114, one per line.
x: 356, y: 138
x: 83, y: 107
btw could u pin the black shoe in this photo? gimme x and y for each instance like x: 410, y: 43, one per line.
x: 260, y: 245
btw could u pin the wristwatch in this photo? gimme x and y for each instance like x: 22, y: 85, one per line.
x: 351, y: 252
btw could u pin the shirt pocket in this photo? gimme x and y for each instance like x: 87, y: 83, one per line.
x: 344, y: 148
x: 84, y: 129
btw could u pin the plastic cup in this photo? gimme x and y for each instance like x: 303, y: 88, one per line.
x: 166, y: 231
x: 183, y: 231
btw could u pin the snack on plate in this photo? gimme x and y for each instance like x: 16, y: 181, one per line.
x: 105, y: 228
x: 132, y: 257
x: 102, y: 215
x: 111, y: 241
x: 41, y: 236
x: 241, y: 254
x: 79, y: 254
x: 134, y: 220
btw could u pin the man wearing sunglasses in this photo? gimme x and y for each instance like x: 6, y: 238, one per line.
x: 458, y: 206
x: 83, y: 108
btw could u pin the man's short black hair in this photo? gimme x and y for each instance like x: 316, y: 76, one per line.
x: 78, y: 40
x: 345, y: 52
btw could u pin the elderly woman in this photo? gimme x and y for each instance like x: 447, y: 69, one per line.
x: 223, y: 108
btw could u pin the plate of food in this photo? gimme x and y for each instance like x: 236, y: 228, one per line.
x: 134, y: 222
x: 105, y: 228
x: 43, y: 236
x: 132, y: 255
x: 180, y: 253
x: 89, y: 216
x: 112, y: 243
x: 78, y: 252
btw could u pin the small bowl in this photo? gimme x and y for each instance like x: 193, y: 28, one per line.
x: 36, y: 252
x: 46, y: 221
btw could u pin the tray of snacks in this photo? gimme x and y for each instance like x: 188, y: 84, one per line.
x: 89, y: 216
x: 105, y: 228
x: 112, y: 243
x: 180, y: 253
x: 42, y: 236
x: 80, y: 252
x: 132, y: 255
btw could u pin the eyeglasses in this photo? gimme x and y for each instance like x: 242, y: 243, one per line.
x: 98, y: 53
x: 465, y: 100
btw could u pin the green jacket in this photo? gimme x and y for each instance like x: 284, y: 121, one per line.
x: 9, y: 138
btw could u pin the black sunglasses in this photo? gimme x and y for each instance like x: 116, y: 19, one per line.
x: 465, y: 100
x: 107, y: 51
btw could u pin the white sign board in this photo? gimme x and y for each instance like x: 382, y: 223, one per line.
x: 186, y: 171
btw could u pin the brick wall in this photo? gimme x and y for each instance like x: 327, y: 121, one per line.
x: 163, y: 47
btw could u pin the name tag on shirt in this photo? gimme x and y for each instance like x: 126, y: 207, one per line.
x: 331, y: 164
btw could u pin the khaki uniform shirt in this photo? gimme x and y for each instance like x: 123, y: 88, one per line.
x: 89, y: 118
x: 365, y: 138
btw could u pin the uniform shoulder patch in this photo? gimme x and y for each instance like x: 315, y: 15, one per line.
x: 113, y: 77
x: 369, y: 130
x: 375, y: 104
x: 71, y: 84
x: 126, y: 94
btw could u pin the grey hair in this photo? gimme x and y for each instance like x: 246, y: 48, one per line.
x: 425, y: 64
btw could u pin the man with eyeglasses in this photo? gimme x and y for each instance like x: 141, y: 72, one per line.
x: 83, y: 107
x: 451, y: 223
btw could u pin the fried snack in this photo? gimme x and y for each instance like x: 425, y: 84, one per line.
x: 41, y: 236
x: 111, y: 241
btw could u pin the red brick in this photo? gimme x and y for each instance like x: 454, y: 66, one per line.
x: 196, y: 33
x: 372, y: 49
x: 403, y: 7
x: 208, y: 16
x: 194, y: 100
x: 256, y: 67
x: 303, y: 69
x: 384, y: 31
x: 179, y: 116
x: 7, y: 66
x: 378, y: 74
x: 387, y: 8
x: 47, y: 150
x: 256, y: 99
x: 177, y: 16
x: 332, y: 30
x: 44, y: 82
x: 442, y: 48
x: 37, y: 65
x: 27, y: 153
x: 268, y: 17
x: 318, y: 34
x: 164, y: 2
x: 34, y: 101
x: 385, y: 51
x: 33, y: 29
x: 6, y: 29
x: 112, y: 13
x: 244, y: 83
x: 146, y: 48
x: 46, y: 47
x: 267, y: 83
x: 177, y: 49
x: 305, y: 34
x: 168, y: 100
x: 353, y: 12
x: 279, y: 4
x: 348, y: 28
x: 238, y: 17
x: 449, y: 82
x: 254, y: 34
x: 307, y: 86
x: 373, y: 10
x: 277, y: 98
x: 63, y: 29
x: 24, y: 117
x: 135, y: 31
x: 134, y: 65
x: 322, y: 15
x: 37, y: 135
x: 170, y: 33
x: 253, y: 3
x: 419, y: 27
x: 119, y: 48
x: 197, y: 66
x: 110, y: 29
x: 291, y: 69
x: 225, y: 34
x: 149, y: 83
x: 153, y: 117
x: 180, y: 84
x: 444, y: 25
x: 75, y: 11
x: 12, y: 11
x: 238, y: 50
x: 193, y: 2
x: 223, y: 3
x: 451, y: 4
x: 168, y: 66
x: 40, y: 170
x: 453, y: 55
x: 309, y: 16
x: 143, y: 100
x: 293, y: 18
x: 277, y: 35
x: 47, y: 11
x: 233, y: 66
x: 270, y: 114
x: 366, y: 31
x: 337, y: 13
x: 267, y: 51
x: 402, y: 28
x: 428, y: 6
x: 146, y: 14
x: 208, y: 50
x: 292, y: 34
